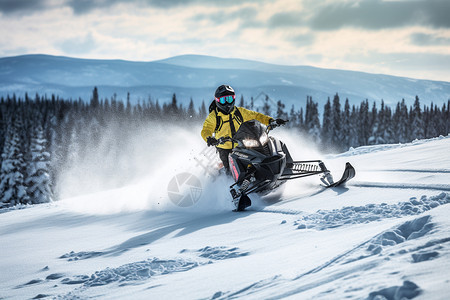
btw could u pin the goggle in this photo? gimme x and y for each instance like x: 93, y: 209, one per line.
x: 228, y: 99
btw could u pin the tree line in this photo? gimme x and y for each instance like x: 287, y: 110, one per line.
x: 42, y: 136
x: 345, y: 126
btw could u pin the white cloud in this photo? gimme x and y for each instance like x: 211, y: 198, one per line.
x: 271, y: 31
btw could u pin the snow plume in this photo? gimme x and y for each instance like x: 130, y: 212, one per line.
x: 300, y: 146
x: 155, y: 167
x: 130, y: 170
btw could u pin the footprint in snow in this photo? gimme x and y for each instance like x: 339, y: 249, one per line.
x: 408, y: 290
x: 74, y: 256
x: 217, y: 253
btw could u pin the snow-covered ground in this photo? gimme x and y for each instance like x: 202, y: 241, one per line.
x: 386, y: 235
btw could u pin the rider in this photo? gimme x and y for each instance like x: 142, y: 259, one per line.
x: 225, y: 119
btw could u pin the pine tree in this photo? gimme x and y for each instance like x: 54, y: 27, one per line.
x: 363, y: 123
x: 138, y: 113
x: 280, y: 110
x: 173, y: 108
x: 293, y: 118
x: 241, y: 102
x: 312, y: 122
x: 202, y: 113
x: 95, y: 101
x: 353, y: 140
x: 404, y: 130
x: 266, y: 107
x: 346, y: 125
x: 128, y: 111
x: 327, y: 124
x: 12, y: 185
x: 174, y: 105
x: 381, y: 134
x: 158, y: 109
x: 444, y: 126
x: 417, y: 123
x: 2, y: 127
x: 373, y: 125
x: 441, y: 123
x: 301, y: 122
x: 336, y: 134
x: 38, y: 179
x: 396, y: 123
x: 191, y: 110
x: 432, y: 125
x: 388, y: 132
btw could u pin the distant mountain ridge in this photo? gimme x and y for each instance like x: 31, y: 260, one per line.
x: 197, y: 76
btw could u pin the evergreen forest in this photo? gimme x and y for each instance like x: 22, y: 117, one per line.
x: 42, y: 136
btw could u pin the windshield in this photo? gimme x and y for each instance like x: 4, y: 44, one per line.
x: 252, y: 134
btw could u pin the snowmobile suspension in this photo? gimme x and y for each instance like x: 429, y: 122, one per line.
x: 298, y: 169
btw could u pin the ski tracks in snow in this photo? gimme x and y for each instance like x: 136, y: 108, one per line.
x: 406, y: 175
x: 386, y: 185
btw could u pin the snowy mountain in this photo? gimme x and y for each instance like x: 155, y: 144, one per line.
x: 384, y: 236
x: 197, y: 77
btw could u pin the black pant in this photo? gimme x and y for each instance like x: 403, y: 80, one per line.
x: 223, y: 155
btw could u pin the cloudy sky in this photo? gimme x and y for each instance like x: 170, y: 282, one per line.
x: 399, y: 37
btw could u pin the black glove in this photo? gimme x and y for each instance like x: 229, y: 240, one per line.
x: 280, y: 121
x: 277, y: 122
x: 211, y: 141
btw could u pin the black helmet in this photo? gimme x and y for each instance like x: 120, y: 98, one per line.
x: 225, y: 104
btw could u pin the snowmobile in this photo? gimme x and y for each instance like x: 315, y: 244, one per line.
x: 260, y: 163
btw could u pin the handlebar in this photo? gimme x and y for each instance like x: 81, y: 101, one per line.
x: 225, y: 139
x: 272, y: 125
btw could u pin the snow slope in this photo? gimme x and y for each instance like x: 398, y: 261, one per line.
x: 386, y: 235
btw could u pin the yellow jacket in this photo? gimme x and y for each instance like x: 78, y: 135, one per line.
x: 224, y: 128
